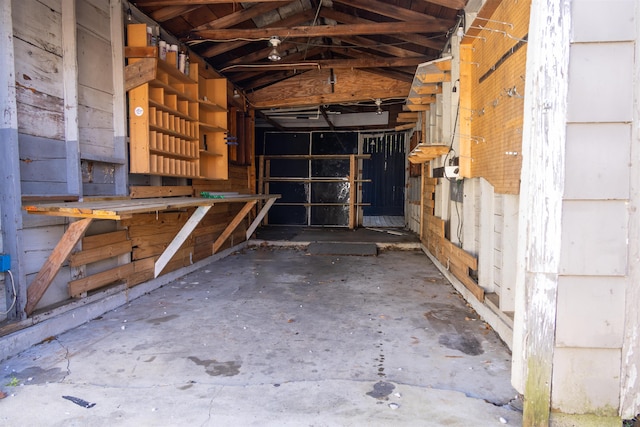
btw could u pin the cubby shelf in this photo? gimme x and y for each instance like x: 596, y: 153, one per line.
x: 214, y: 152
x: 177, y: 122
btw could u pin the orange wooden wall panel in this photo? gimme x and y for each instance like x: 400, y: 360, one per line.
x: 492, y: 107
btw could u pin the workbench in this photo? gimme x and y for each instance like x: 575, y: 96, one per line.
x: 122, y: 208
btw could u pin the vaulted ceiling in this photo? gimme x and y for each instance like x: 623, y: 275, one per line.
x: 340, y: 53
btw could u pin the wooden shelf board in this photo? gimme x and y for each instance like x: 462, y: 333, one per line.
x: 209, y: 128
x: 174, y: 72
x: 176, y: 113
x: 171, y: 90
x: 172, y: 154
x: 208, y: 153
x: 211, y: 106
x: 172, y: 133
x: 424, y: 153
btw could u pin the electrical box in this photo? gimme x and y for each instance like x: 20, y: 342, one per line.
x: 5, y: 263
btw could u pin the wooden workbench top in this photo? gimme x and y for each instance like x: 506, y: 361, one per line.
x: 118, y: 209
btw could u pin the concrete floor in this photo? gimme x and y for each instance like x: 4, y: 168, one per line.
x: 275, y: 336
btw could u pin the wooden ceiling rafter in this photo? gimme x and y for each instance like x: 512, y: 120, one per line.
x: 227, y: 46
x: 166, y: 13
x: 240, y: 16
x: 329, y: 63
x: 322, y: 30
x: 345, y: 18
x: 373, y: 40
x: 391, y: 11
x: 166, y: 3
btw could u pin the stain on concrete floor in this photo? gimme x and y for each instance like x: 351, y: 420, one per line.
x: 276, y: 337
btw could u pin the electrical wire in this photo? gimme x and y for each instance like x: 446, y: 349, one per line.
x: 13, y: 285
x: 453, y: 180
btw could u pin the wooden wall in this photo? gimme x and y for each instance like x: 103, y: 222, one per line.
x: 492, y: 77
x: 40, y: 97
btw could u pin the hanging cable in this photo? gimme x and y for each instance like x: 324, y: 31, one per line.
x: 13, y: 303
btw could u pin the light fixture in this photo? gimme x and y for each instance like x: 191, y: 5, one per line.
x: 236, y: 94
x: 129, y: 14
x: 274, y: 55
x: 379, y: 105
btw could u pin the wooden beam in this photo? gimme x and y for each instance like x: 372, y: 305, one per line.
x: 434, y: 77
x: 10, y: 204
x: 541, y: 226
x: 140, y: 52
x: 139, y: 73
x: 220, y: 48
x: 345, y: 18
x: 148, y: 3
x: 233, y: 225
x: 147, y: 191
x: 421, y: 100
x: 407, y: 126
x: 418, y: 107
x: 53, y: 264
x: 260, y: 216
x: 87, y: 256
x: 408, y: 117
x: 240, y: 16
x: 430, y: 23
x: 180, y: 238
x: 98, y: 280
x: 428, y: 89
x: 311, y: 89
x: 165, y: 13
x: 451, y: 4
x: 321, y: 30
x: 329, y: 63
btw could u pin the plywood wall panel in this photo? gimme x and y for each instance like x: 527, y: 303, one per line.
x: 492, y: 82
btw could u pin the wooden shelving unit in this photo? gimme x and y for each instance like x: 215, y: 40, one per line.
x: 177, y: 122
x: 214, y: 152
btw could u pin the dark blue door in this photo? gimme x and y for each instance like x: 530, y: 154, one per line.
x: 386, y: 170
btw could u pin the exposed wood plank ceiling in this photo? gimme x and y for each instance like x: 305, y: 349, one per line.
x: 339, y: 54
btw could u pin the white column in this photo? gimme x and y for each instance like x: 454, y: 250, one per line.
x: 70, y: 82
x: 541, y: 195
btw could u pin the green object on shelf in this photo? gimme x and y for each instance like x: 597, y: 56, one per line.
x: 209, y: 195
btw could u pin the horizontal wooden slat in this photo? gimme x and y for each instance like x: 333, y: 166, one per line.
x: 95, y: 281
x: 122, y: 209
x: 141, y: 191
x: 99, y: 253
x: 142, y: 271
x: 105, y: 239
x: 468, y: 283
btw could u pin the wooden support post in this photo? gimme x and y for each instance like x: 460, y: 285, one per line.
x: 233, y: 225
x: 267, y: 176
x: 10, y: 189
x: 422, y: 201
x: 180, y: 238
x: 541, y: 200
x: 119, y: 96
x: 52, y: 265
x: 353, y: 170
x: 70, y: 91
x: 259, y: 217
x: 261, y: 176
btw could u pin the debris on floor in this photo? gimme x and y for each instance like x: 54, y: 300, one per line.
x: 79, y: 402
